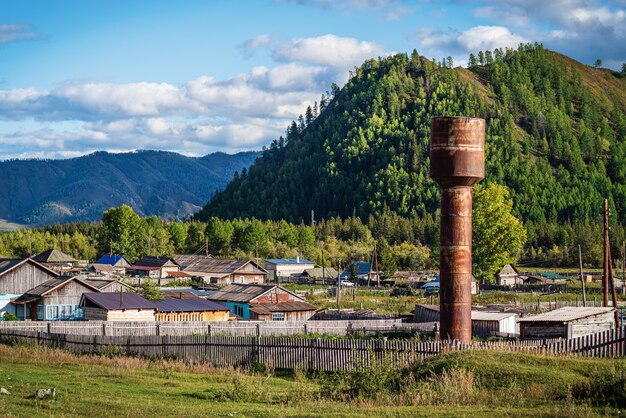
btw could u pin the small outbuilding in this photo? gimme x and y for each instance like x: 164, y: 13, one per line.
x: 117, y: 307
x: 191, y: 309
x: 55, y: 260
x: 484, y: 323
x: 509, y: 276
x: 226, y: 271
x: 568, y: 322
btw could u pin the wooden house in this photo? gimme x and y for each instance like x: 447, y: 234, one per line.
x: 569, y: 322
x: 56, y: 299
x: 286, y: 267
x: 226, y: 271
x: 185, y: 260
x: 19, y: 275
x: 264, y: 302
x: 191, y: 309
x: 317, y: 274
x: 55, y: 260
x: 155, y: 268
x: 106, y: 285
x: 117, y: 307
x: 119, y: 263
x: 509, y: 276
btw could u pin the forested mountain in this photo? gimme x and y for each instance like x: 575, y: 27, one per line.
x: 556, y: 136
x: 152, y: 182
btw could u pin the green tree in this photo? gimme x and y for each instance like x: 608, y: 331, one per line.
x: 498, y: 236
x: 218, y: 233
x: 121, y: 229
x: 388, y: 264
x: 598, y: 63
x: 473, y: 62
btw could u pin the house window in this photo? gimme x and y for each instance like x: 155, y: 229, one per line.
x: 278, y: 316
x: 239, y: 310
x: 60, y: 312
x: 241, y: 279
x: 40, y: 316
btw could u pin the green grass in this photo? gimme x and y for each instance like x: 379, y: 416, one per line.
x: 473, y: 384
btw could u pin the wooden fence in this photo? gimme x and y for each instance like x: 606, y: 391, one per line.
x: 236, y: 329
x: 302, y: 353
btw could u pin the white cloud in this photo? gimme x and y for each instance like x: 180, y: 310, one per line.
x: 13, y: 33
x: 488, y: 38
x: 328, y: 50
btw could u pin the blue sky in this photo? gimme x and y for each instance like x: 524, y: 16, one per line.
x: 201, y: 76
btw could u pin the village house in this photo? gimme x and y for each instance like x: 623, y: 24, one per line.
x: 106, y: 285
x: 56, y: 299
x: 509, y: 276
x: 17, y: 276
x: 117, y: 307
x: 154, y: 267
x: 185, y: 260
x: 264, y: 302
x: 286, y: 267
x: 55, y: 260
x: 362, y: 270
x: 225, y: 271
x: 118, y: 262
x: 319, y: 274
x: 191, y: 309
x: 568, y: 322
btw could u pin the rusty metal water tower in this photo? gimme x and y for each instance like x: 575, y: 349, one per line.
x: 457, y: 161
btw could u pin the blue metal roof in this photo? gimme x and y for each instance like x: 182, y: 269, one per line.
x: 289, y: 261
x: 363, y: 269
x: 109, y: 259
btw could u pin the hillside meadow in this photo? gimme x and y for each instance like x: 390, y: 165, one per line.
x: 455, y: 384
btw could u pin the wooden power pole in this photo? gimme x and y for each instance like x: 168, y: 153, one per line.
x: 582, y: 277
x: 605, y: 267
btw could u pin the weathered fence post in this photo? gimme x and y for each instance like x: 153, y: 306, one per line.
x: 104, y: 329
x: 158, y: 330
x: 306, y: 329
x: 209, y: 330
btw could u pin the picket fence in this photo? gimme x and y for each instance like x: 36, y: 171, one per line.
x: 305, y: 353
x: 231, y: 328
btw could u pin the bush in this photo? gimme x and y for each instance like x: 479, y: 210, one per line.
x: 9, y: 317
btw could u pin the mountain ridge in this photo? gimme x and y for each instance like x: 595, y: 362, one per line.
x: 163, y: 183
x: 556, y: 134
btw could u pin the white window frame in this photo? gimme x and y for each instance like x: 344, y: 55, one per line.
x: 278, y: 316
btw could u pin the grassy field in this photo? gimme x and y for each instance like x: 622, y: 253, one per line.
x: 457, y: 384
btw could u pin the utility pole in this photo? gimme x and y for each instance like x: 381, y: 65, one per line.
x: 605, y: 269
x: 323, y: 266
x: 339, y: 287
x: 613, y: 293
x: 257, y: 252
x: 111, y: 248
x: 206, y: 247
x: 376, y: 264
x: 312, y: 218
x: 582, y: 277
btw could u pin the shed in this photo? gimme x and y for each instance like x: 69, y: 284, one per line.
x: 509, y: 276
x: 484, y: 323
x: 318, y: 273
x: 17, y: 276
x: 117, y: 307
x: 56, y: 299
x: 568, y: 322
x: 191, y: 309
x: 55, y: 259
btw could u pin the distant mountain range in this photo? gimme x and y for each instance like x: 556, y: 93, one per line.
x: 159, y: 183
